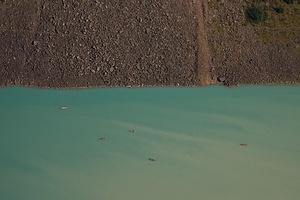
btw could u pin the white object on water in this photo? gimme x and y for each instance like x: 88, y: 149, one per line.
x: 64, y: 107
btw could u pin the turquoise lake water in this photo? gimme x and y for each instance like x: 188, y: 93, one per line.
x: 86, y: 152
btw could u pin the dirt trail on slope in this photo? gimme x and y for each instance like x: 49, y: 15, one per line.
x: 203, y: 51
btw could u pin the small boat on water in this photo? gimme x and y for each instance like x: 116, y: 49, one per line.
x: 131, y: 131
x: 64, y: 107
x: 243, y: 145
x: 151, y: 159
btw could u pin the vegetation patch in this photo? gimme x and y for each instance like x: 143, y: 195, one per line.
x: 288, y: 1
x: 282, y: 23
x: 256, y: 14
x: 278, y: 10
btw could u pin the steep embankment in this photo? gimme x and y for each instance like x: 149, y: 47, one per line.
x: 103, y: 43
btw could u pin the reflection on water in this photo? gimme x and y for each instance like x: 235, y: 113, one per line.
x: 209, y: 143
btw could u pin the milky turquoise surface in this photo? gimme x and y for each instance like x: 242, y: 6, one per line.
x: 194, y: 134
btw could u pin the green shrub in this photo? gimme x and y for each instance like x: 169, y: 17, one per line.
x: 288, y: 1
x: 278, y: 10
x: 256, y: 14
